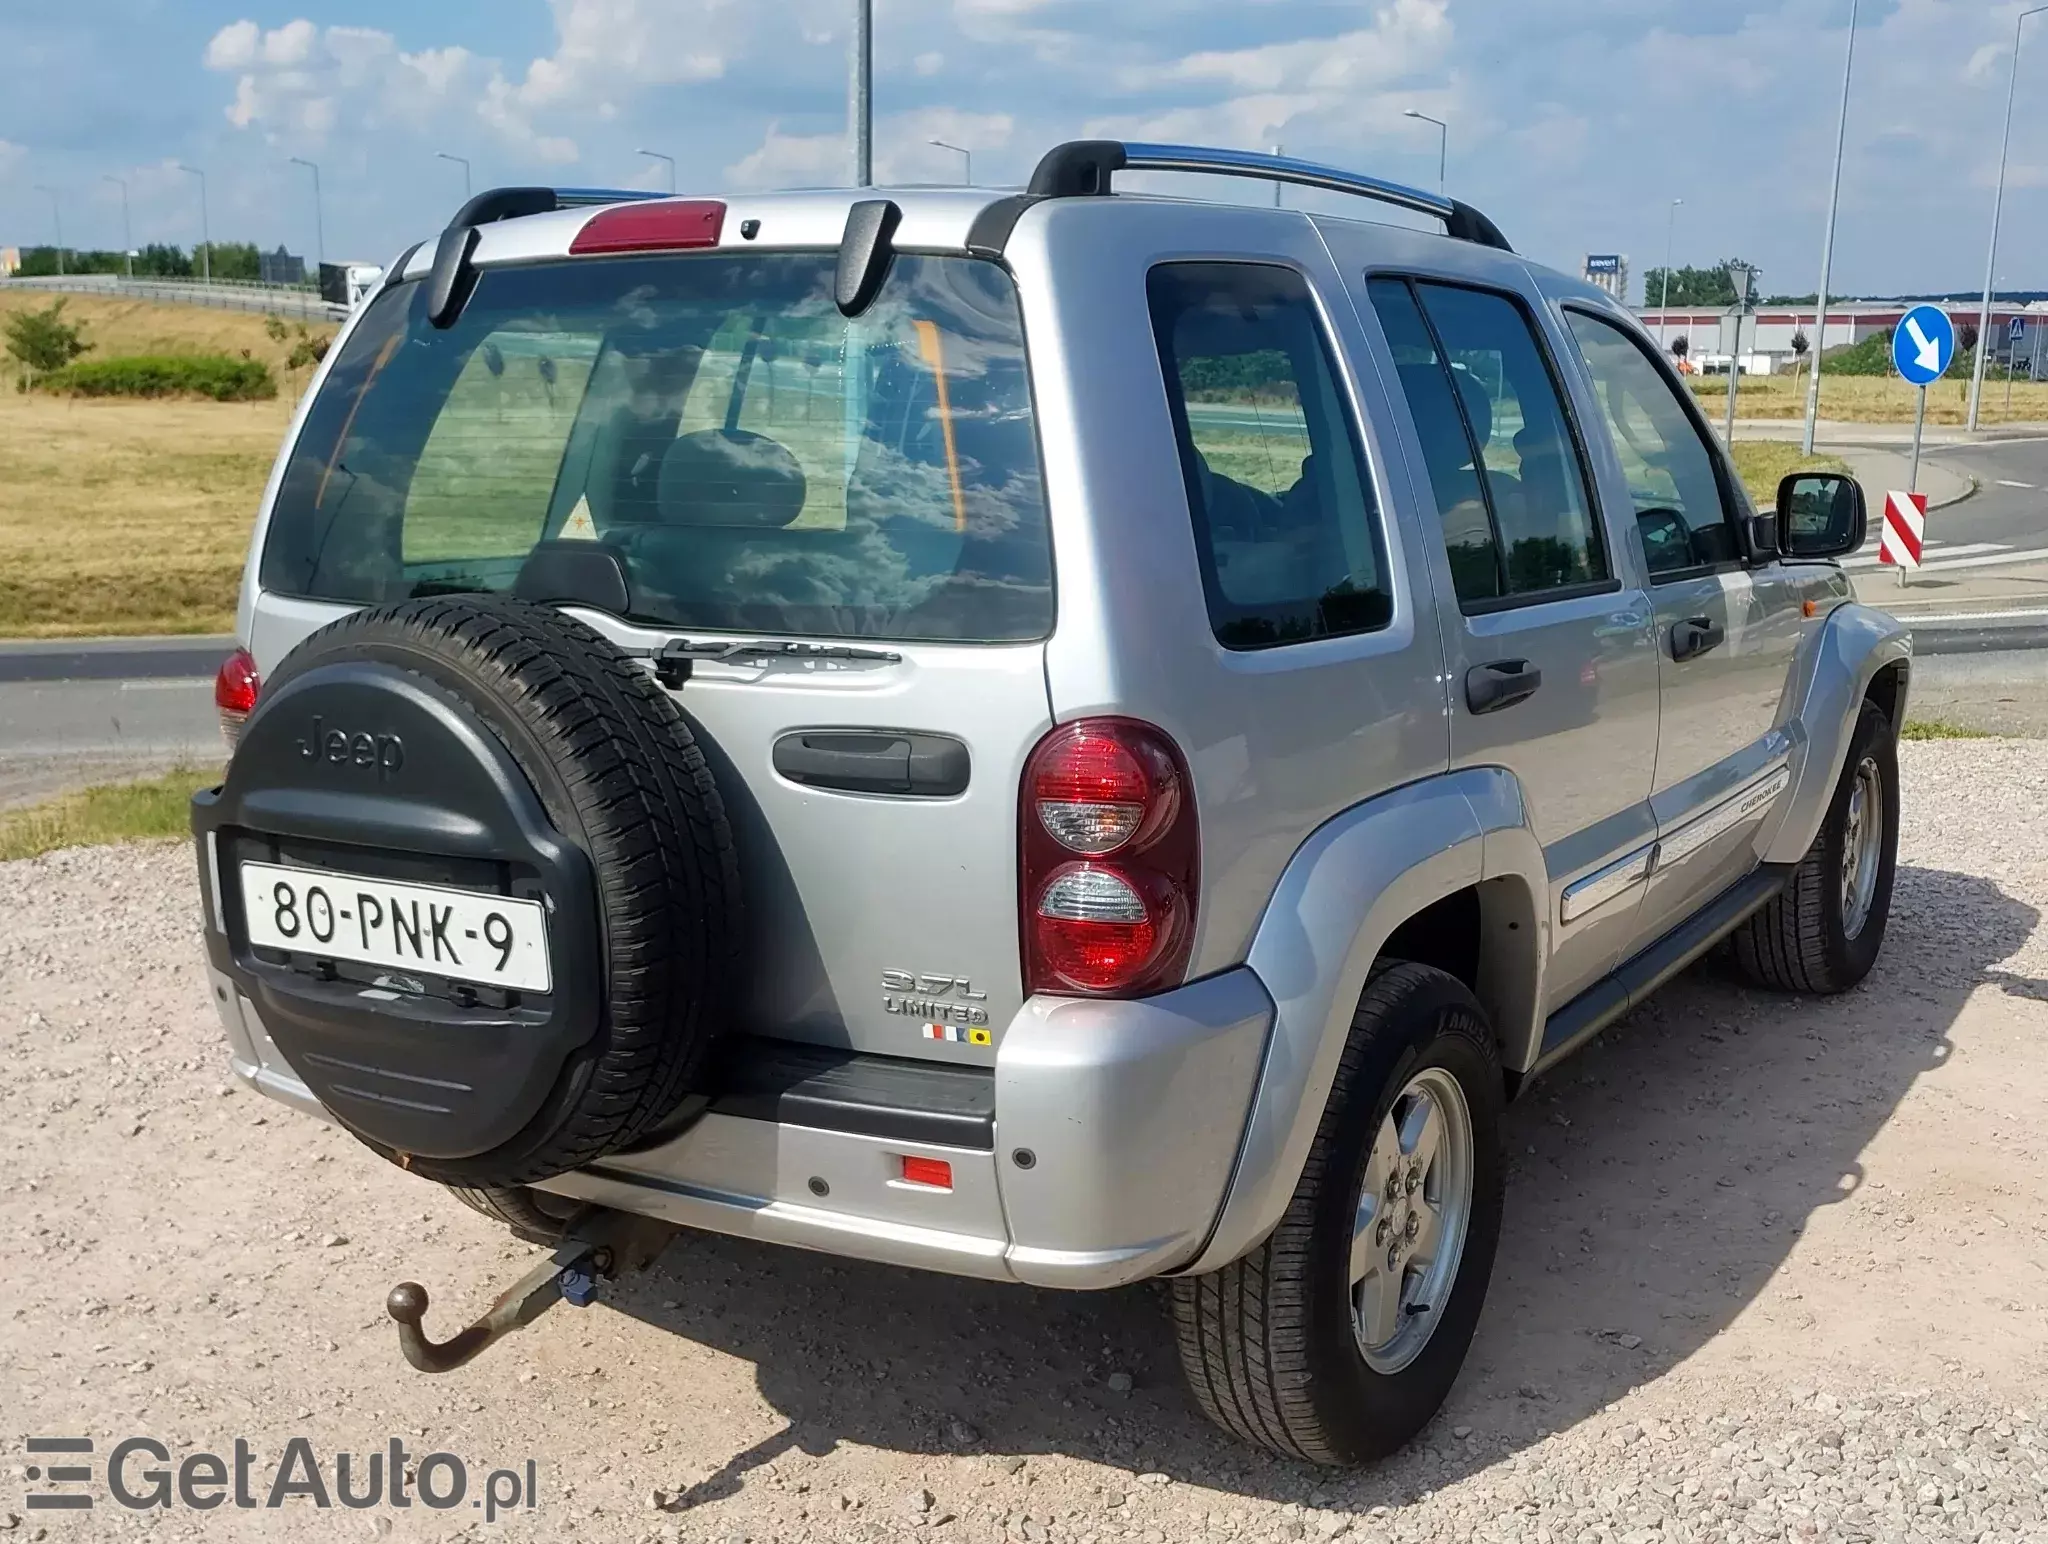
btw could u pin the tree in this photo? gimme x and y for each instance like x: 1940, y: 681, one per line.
x: 42, y: 340
x: 1703, y: 287
x: 161, y: 262
x: 1680, y: 347
x: 1800, y: 344
x: 231, y: 260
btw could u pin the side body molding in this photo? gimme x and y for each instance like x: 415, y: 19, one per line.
x: 1358, y: 877
x: 1837, y: 668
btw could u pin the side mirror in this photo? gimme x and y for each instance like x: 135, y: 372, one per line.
x: 1820, y: 515
x: 1763, y: 534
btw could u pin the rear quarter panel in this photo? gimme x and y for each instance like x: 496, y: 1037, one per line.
x: 1277, y: 739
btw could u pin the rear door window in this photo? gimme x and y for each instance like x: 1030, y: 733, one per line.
x: 1502, y: 457
x: 759, y: 462
x: 1284, y: 523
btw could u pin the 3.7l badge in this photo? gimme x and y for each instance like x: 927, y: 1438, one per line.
x: 925, y: 995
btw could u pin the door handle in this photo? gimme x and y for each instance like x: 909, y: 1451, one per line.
x: 888, y: 761
x: 1694, y: 636
x: 1500, y: 683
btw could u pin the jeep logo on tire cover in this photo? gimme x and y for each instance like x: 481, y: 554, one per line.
x: 358, y: 748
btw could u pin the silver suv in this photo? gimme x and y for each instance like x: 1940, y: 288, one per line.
x: 1062, y: 737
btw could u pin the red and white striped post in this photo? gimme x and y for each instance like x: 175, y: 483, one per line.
x: 1904, y: 533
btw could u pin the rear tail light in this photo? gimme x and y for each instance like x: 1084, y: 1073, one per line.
x: 1109, y: 861
x: 658, y: 226
x: 234, y: 693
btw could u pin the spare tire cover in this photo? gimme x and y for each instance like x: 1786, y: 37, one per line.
x: 486, y: 745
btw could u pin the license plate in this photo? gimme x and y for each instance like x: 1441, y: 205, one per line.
x: 465, y: 935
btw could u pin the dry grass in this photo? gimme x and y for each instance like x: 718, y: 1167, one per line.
x: 1873, y: 399
x: 127, y: 517
x: 133, y: 517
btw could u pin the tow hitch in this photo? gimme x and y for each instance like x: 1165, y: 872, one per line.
x: 600, y: 1243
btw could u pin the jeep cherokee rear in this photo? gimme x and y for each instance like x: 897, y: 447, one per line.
x: 1078, y: 834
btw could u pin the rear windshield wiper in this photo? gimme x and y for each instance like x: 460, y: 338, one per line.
x: 672, y: 661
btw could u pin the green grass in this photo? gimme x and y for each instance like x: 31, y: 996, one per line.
x: 216, y: 377
x: 110, y: 812
x: 1760, y: 463
x: 1942, y: 729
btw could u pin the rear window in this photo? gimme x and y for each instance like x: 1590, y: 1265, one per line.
x: 759, y: 462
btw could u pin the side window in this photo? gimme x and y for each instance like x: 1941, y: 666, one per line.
x: 1671, y: 478
x: 1510, y: 486
x: 1284, y: 523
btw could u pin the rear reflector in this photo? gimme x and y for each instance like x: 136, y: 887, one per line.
x: 935, y: 1172
x: 664, y: 225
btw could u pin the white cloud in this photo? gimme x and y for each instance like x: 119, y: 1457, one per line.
x: 1572, y: 121
x: 903, y: 150
x: 293, y: 83
x: 235, y: 46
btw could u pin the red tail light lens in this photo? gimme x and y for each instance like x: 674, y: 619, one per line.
x: 234, y: 693
x: 1109, y: 860
x: 658, y: 226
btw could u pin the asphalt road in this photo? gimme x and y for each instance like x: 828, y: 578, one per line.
x: 2010, y: 506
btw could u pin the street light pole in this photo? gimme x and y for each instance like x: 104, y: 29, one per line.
x: 966, y: 159
x: 205, y: 230
x: 656, y: 155
x: 463, y: 162
x: 1740, y: 274
x: 127, y: 231
x: 1664, y: 305
x: 1827, y: 247
x: 319, y: 224
x: 860, y: 94
x: 1997, y: 207
x: 56, y: 215
x: 1443, y: 142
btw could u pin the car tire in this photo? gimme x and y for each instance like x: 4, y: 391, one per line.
x: 535, y: 1216
x: 620, y: 776
x: 1274, y: 1345
x: 1821, y: 934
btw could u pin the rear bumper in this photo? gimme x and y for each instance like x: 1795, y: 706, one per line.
x: 1116, y: 1129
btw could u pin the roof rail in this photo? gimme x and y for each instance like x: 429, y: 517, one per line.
x: 1082, y: 168
x: 510, y: 203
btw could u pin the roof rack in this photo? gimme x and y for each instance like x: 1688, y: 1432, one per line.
x: 510, y: 203
x: 1082, y: 168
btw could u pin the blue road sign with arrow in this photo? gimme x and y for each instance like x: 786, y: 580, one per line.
x: 1923, y: 345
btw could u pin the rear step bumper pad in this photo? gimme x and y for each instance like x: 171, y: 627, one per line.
x: 1116, y: 1127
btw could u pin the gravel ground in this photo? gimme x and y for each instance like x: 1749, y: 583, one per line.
x: 1773, y: 1270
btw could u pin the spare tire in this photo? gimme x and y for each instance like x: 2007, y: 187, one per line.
x: 509, y: 761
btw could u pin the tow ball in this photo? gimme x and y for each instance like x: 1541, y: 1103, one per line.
x: 599, y: 1244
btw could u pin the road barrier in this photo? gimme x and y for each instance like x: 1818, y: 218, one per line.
x: 219, y: 294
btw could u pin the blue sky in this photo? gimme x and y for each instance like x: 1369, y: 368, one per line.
x: 1573, y: 122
